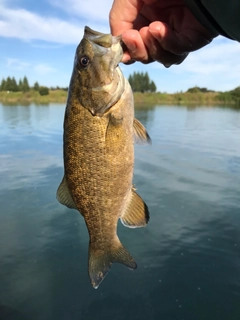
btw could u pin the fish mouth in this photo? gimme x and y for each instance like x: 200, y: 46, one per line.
x: 101, y: 39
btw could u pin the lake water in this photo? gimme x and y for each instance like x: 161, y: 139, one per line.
x: 188, y: 256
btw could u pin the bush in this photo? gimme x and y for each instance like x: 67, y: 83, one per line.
x: 44, y: 91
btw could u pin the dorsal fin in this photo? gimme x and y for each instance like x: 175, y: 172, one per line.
x: 136, y: 213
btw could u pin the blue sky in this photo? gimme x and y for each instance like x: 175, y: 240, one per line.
x: 38, y: 39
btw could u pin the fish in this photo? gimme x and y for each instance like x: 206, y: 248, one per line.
x: 98, y: 151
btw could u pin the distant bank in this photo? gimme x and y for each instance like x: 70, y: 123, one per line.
x: 32, y: 96
x: 181, y: 98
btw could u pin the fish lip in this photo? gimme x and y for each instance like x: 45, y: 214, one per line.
x: 91, y: 34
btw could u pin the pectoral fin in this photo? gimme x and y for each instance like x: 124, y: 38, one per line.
x: 136, y: 213
x: 140, y: 133
x: 64, y: 196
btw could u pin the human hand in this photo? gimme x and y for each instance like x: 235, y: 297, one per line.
x: 157, y: 30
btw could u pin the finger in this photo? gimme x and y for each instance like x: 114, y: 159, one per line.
x: 157, y: 53
x: 169, y: 40
x: 179, y: 42
x: 123, y: 14
x: 135, y: 46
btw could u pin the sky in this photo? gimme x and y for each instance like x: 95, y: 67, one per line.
x: 38, y: 40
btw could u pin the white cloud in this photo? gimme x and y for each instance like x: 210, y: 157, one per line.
x: 23, y: 24
x: 219, y: 56
x: 47, y: 46
x: 17, y: 64
x: 40, y: 69
x: 215, y: 66
x: 87, y: 9
x: 44, y: 69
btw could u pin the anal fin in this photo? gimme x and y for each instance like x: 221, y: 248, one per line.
x: 140, y: 133
x: 136, y: 213
x: 64, y: 196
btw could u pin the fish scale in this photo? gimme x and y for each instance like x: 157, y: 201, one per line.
x: 99, y: 129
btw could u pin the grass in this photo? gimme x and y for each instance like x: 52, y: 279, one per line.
x: 33, y: 96
x: 60, y: 96
x: 181, y: 98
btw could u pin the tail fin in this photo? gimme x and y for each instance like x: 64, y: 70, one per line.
x: 100, y: 262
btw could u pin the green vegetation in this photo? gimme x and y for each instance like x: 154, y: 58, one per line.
x: 13, y: 92
x: 32, y: 96
x: 44, y: 91
x: 140, y: 82
x: 10, y: 84
x: 193, y: 96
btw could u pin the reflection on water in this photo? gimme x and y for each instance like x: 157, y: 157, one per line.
x: 188, y: 256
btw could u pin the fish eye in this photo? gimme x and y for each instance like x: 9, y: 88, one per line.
x: 84, y: 61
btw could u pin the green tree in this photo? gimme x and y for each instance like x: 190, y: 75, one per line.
x: 3, y: 85
x: 140, y: 82
x: 130, y: 80
x: 225, y: 97
x: 44, y: 91
x: 25, y: 85
x: 152, y: 87
x: 145, y: 82
x: 194, y: 90
x: 36, y: 86
x: 11, y: 84
x: 14, y: 84
x: 20, y: 85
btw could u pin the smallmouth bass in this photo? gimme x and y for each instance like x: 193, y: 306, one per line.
x: 99, y: 133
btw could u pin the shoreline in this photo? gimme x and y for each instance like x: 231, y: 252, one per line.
x: 60, y: 96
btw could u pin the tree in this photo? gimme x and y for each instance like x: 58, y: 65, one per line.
x: 3, y: 85
x: 145, y: 82
x: 20, y: 85
x: 44, y: 91
x: 36, y: 86
x: 152, y: 87
x: 198, y: 89
x: 10, y: 84
x: 130, y: 80
x: 14, y: 84
x: 25, y: 85
x: 140, y: 82
x: 193, y: 90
